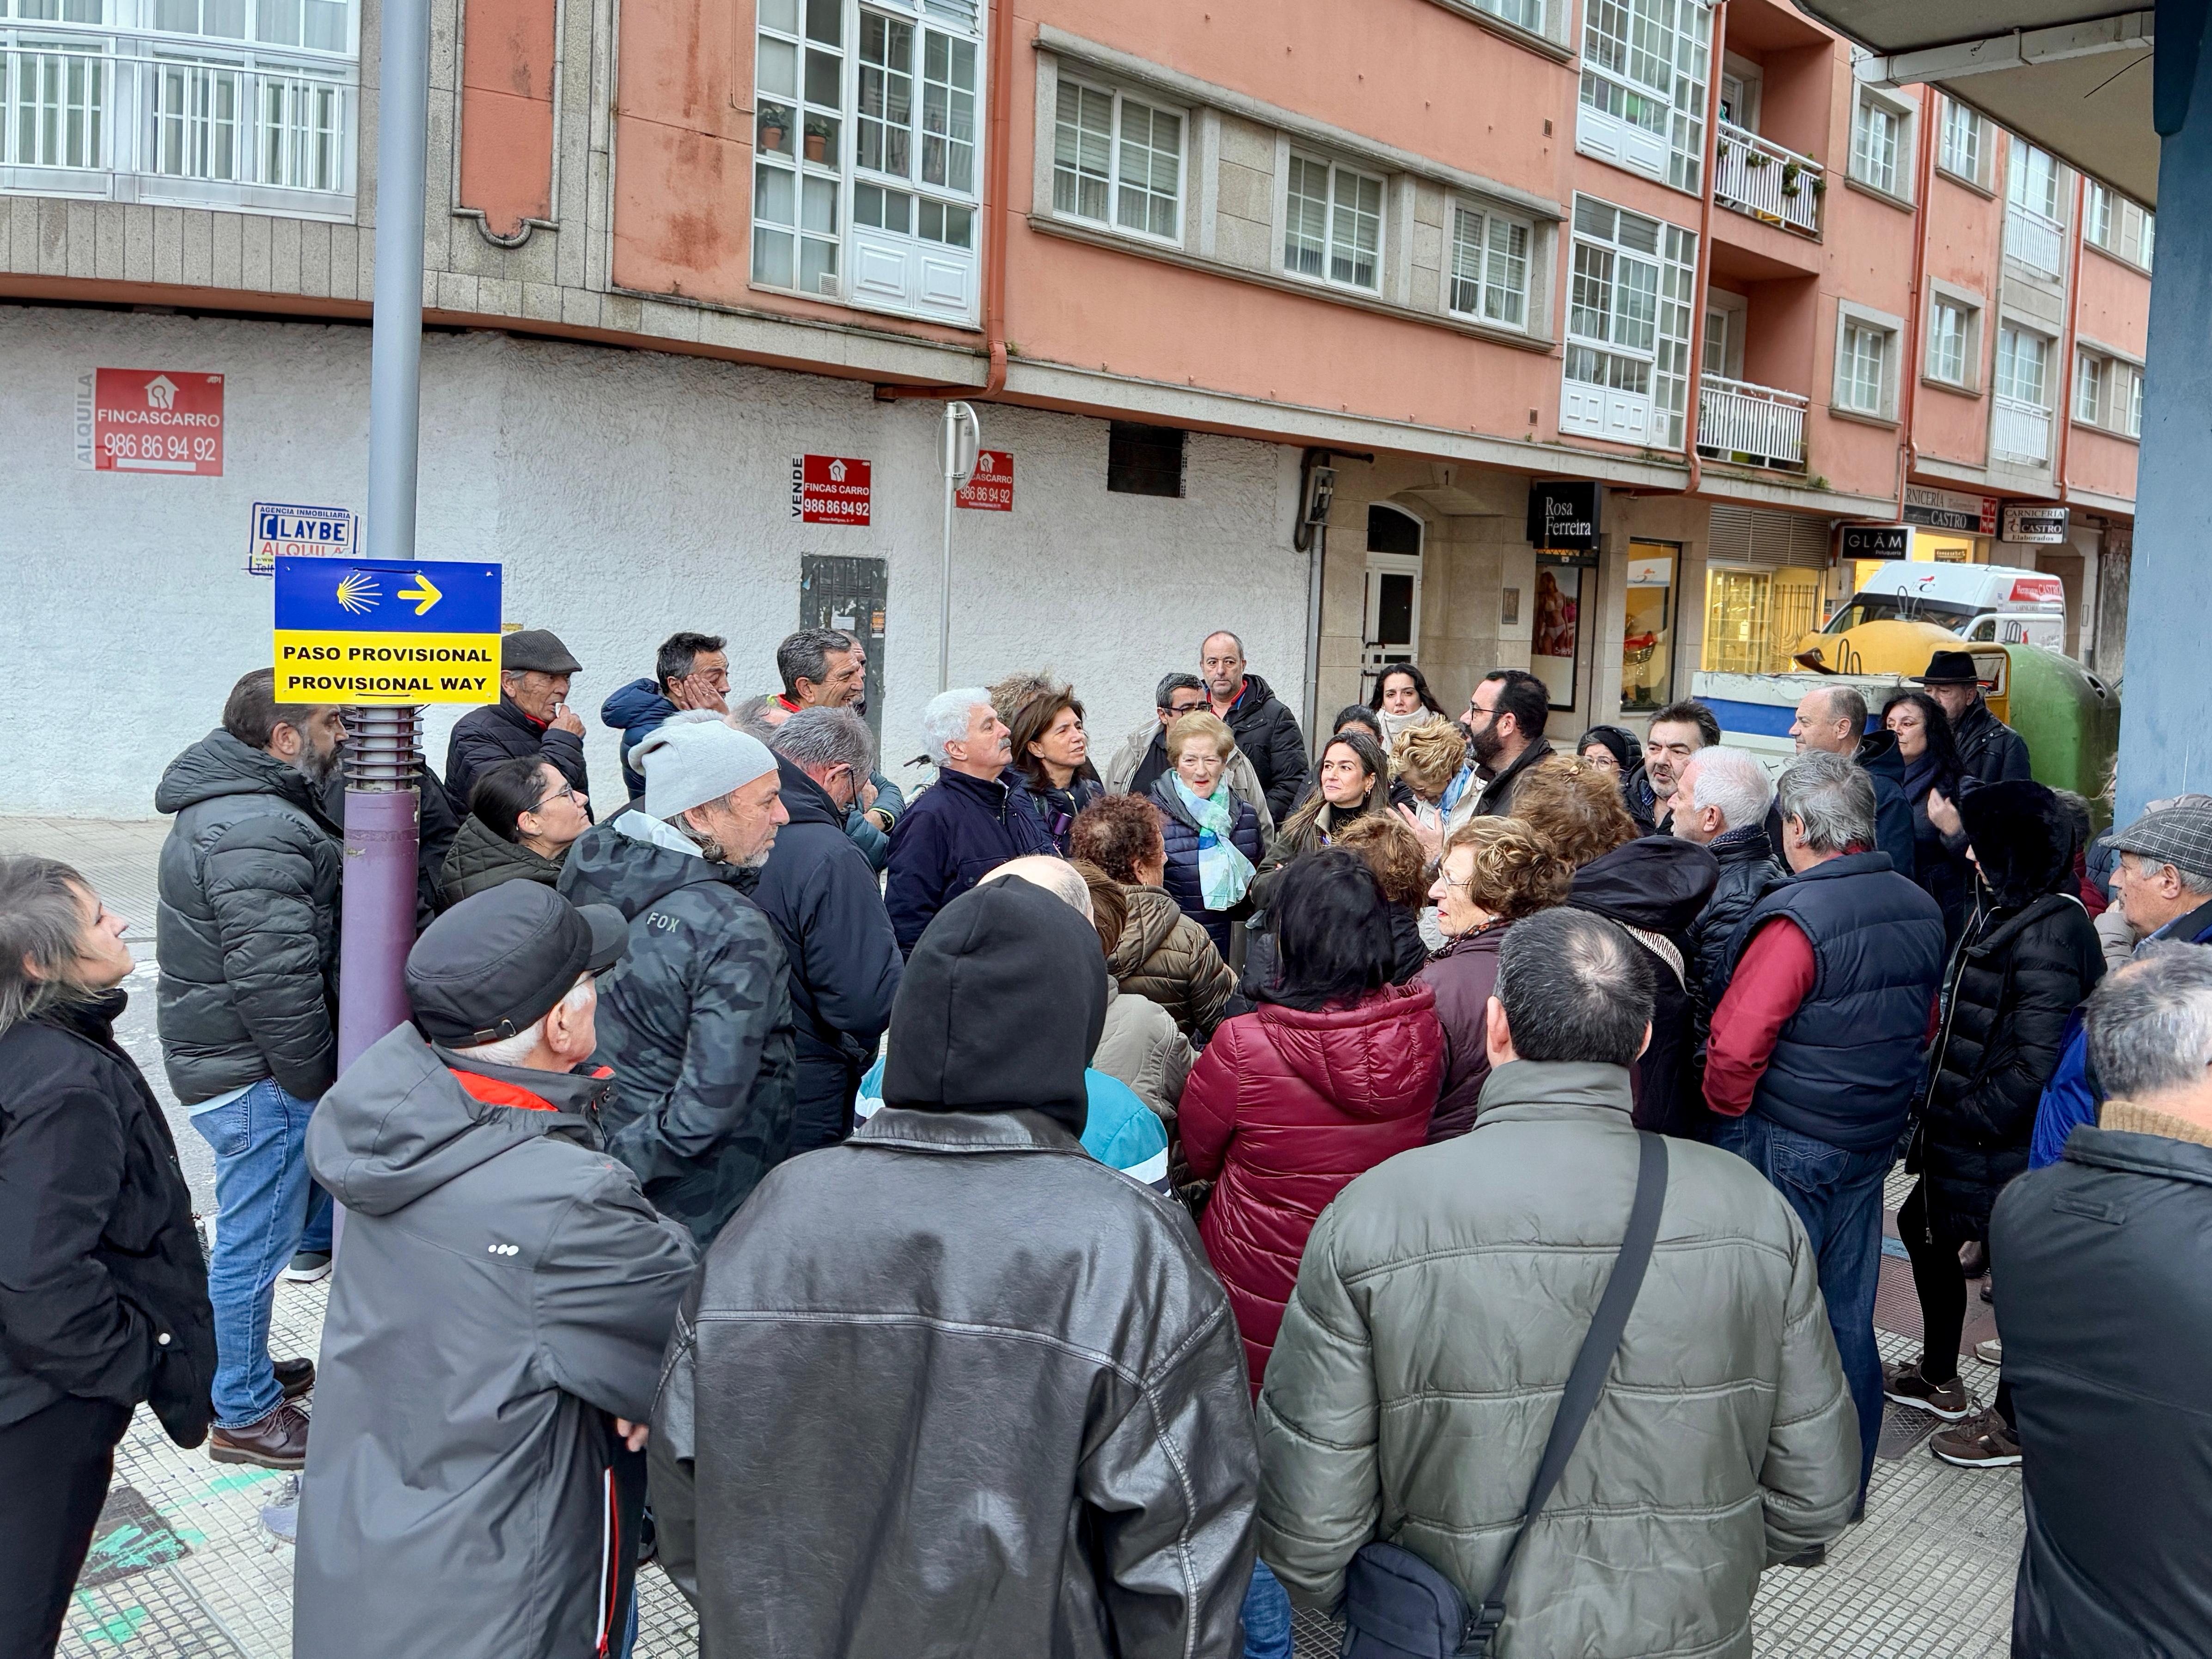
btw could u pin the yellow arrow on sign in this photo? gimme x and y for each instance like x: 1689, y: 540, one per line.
x: 423, y: 590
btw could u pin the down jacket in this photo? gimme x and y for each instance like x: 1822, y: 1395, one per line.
x: 1165, y: 956
x: 103, y: 1292
x: 1179, y: 835
x: 1748, y: 868
x: 695, y: 1021
x: 1141, y: 1046
x: 1284, y: 1108
x: 955, y: 833
x: 481, y: 859
x: 246, y: 930
x: 1463, y: 975
x: 1438, y: 1311
x: 503, y: 1291
x: 2029, y: 956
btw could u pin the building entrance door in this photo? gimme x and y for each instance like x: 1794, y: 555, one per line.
x: 1390, y: 631
x: 852, y: 594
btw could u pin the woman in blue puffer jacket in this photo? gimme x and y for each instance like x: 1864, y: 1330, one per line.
x: 1212, y: 837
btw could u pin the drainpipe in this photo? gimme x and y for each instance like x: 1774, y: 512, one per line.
x: 997, y: 221
x: 1704, y: 282
x: 2068, y: 339
x: 1908, y: 369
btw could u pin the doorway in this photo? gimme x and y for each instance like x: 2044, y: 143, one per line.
x: 1390, y: 628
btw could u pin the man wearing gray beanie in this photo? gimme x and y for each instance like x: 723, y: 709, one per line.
x: 697, y: 1024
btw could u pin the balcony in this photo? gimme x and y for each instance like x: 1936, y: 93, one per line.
x: 1751, y: 425
x: 2020, y: 431
x: 1760, y: 178
x: 2034, y: 241
x: 82, y: 116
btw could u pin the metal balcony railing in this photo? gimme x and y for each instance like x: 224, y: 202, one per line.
x: 1756, y: 176
x: 88, y: 117
x: 2020, y: 431
x: 2034, y: 241
x: 1756, y: 425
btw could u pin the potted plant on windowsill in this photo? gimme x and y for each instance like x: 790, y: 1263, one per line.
x: 817, y: 139
x: 1789, y: 172
x: 773, y: 128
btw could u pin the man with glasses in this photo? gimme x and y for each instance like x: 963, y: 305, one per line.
x: 690, y: 672
x: 822, y: 897
x: 1143, y: 757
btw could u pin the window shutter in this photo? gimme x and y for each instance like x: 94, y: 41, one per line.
x: 1767, y: 540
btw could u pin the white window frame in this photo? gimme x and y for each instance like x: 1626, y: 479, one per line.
x: 904, y: 269
x: 137, y: 108
x: 1532, y: 16
x: 1623, y: 114
x: 1969, y: 304
x: 1599, y: 399
x: 2007, y: 382
x: 2092, y: 371
x: 1336, y: 173
x: 1965, y: 128
x: 2101, y: 217
x: 2021, y: 169
x: 1119, y: 100
x: 2115, y: 404
x: 1898, y: 185
x: 1491, y: 221
x: 1890, y: 333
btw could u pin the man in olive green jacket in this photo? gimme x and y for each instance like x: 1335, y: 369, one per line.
x: 1439, y: 1310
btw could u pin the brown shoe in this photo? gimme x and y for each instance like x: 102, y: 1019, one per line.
x: 294, y: 1377
x: 1907, y: 1386
x: 278, y: 1441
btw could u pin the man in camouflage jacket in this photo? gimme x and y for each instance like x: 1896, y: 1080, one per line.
x: 696, y: 1023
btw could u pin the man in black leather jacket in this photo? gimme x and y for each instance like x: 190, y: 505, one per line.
x: 953, y: 1386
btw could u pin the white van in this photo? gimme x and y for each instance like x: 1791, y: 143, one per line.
x: 1984, y: 603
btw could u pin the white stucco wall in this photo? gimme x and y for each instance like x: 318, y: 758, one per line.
x: 627, y: 493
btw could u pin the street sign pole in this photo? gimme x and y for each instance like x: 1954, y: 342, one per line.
x: 381, y: 805
x: 957, y: 450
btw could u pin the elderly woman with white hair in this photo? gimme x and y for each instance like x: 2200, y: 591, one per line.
x: 967, y: 824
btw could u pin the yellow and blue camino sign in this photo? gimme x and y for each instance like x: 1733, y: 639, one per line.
x: 348, y: 630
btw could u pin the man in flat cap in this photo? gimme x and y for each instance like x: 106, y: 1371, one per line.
x: 698, y: 1025
x: 531, y: 717
x: 1990, y: 750
x: 502, y: 1295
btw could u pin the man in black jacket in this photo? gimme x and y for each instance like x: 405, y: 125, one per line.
x: 1060, y: 1473
x: 1721, y: 804
x: 1832, y: 718
x: 1504, y: 723
x: 1990, y: 750
x: 1266, y: 732
x: 2107, y: 1317
x: 531, y: 717
x: 247, y: 939
x: 817, y: 889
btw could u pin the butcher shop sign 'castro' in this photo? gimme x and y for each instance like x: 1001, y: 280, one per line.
x: 153, y: 420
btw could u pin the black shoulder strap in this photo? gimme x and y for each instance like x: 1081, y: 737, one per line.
x: 1586, y: 1380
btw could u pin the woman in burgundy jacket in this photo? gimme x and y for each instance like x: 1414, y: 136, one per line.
x: 1336, y: 1070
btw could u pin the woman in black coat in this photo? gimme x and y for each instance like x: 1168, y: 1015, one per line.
x: 103, y: 1292
x: 1932, y: 767
x: 1053, y: 754
x: 2030, y: 955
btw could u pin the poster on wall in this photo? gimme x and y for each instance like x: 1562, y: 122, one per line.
x: 1556, y: 633
x: 146, y: 420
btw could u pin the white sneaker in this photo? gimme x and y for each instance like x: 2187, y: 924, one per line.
x: 307, y: 1266
x: 1990, y: 1351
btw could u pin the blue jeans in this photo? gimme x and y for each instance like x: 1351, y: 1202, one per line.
x: 1837, y: 1196
x: 263, y: 1198
x: 1267, y: 1616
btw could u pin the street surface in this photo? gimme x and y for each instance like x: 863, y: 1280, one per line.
x: 184, y: 1567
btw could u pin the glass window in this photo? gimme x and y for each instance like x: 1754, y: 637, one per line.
x: 2098, y: 217
x: 1947, y: 342
x: 1861, y: 360
x: 886, y: 107
x: 2033, y: 180
x: 1529, y: 14
x: 1117, y: 160
x: 948, y: 112
x: 2134, y: 403
x: 2088, y: 388
x: 1962, y: 141
x: 1644, y: 66
x: 2150, y: 228
x: 1647, y: 646
x: 1490, y: 267
x: 1877, y: 139
x: 1755, y: 618
x: 2022, y: 358
x: 1629, y: 323
x: 1332, y: 223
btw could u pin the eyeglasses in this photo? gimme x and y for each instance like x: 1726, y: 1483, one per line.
x: 1466, y: 886
x: 566, y: 792
x: 1185, y: 708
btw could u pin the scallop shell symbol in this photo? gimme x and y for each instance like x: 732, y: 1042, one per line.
x: 357, y: 591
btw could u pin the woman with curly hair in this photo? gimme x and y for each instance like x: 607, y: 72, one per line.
x: 1429, y: 759
x: 1654, y: 887
x: 1394, y: 852
x: 1162, y: 955
x: 1495, y: 871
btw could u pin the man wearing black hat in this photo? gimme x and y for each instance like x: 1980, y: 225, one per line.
x: 501, y: 1299
x: 531, y: 717
x: 953, y: 1385
x: 1990, y: 750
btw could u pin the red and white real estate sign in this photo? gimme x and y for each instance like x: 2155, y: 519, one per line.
x: 990, y: 488
x: 830, y: 490
x: 153, y: 420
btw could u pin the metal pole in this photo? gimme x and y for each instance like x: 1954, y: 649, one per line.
x: 381, y: 826
x: 949, y: 446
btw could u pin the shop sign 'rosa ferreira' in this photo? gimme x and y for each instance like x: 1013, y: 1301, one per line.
x: 153, y: 420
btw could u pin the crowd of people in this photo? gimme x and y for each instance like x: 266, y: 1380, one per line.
x: 1434, y: 1174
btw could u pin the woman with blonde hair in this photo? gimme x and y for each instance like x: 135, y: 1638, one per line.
x: 1654, y: 887
x: 1212, y: 837
x: 1495, y: 871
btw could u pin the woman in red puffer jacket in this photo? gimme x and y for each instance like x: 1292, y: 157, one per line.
x: 1336, y: 1070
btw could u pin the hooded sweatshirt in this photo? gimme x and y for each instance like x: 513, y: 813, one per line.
x: 636, y: 711
x: 504, y: 1289
x: 695, y: 1022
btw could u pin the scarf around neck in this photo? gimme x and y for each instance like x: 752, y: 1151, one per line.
x: 1224, y: 872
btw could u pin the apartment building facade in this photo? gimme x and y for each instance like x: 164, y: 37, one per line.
x: 1271, y: 323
